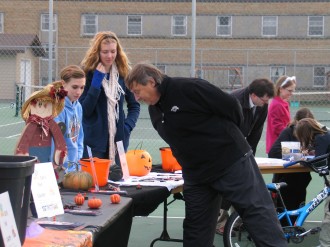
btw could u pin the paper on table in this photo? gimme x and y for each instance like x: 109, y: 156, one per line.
x: 153, y: 179
x: 270, y: 161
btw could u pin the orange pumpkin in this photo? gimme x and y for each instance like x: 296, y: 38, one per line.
x: 94, y: 203
x: 169, y: 162
x: 77, y: 180
x: 139, y: 162
x: 79, y: 199
x: 115, y: 198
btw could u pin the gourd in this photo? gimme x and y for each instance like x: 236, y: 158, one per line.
x: 115, y: 198
x: 79, y: 199
x: 94, y: 203
x: 78, y: 180
x: 139, y: 162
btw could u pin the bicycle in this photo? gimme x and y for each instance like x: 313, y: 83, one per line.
x: 236, y: 235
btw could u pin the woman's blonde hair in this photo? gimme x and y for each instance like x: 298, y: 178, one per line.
x: 306, y: 130
x: 92, y: 57
x: 279, y: 82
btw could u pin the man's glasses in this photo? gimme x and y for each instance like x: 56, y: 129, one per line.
x: 264, y: 100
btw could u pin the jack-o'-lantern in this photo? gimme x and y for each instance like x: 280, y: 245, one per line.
x: 139, y: 162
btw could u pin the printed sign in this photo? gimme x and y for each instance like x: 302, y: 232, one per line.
x: 123, y: 161
x: 46, y: 195
x: 8, y: 226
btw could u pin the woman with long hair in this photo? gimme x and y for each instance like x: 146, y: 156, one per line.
x: 295, y: 194
x: 315, y: 138
x: 104, y: 121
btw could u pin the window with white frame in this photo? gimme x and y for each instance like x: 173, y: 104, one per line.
x: 235, y: 76
x: 161, y: 67
x: 319, y: 77
x: 134, y: 25
x: 276, y: 72
x: 89, y: 24
x: 315, y: 25
x: 45, y: 22
x: 1, y: 23
x: 46, y: 48
x: 179, y: 25
x: 269, y: 26
x: 224, y: 25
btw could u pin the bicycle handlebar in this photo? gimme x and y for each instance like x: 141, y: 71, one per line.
x: 318, y: 164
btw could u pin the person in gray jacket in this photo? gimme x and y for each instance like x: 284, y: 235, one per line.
x: 201, y: 124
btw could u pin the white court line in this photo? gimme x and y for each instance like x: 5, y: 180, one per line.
x: 8, y: 137
x: 4, y: 125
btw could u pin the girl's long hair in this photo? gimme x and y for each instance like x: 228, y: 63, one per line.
x: 306, y: 130
x: 92, y: 57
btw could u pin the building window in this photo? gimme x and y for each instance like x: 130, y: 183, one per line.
x: 46, y: 47
x: 224, y: 25
x: 315, y: 25
x: 45, y: 22
x: 89, y: 24
x: 1, y: 22
x: 134, y: 25
x: 276, y: 72
x: 179, y: 25
x: 235, y: 76
x: 161, y: 67
x: 269, y: 26
x: 319, y: 77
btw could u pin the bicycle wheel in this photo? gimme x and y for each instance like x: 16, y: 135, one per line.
x: 235, y: 234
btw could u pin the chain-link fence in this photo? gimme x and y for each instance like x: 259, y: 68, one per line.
x: 235, y: 42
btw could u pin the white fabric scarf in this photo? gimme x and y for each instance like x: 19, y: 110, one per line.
x: 113, y: 91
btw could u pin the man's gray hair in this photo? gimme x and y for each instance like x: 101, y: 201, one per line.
x: 141, y: 73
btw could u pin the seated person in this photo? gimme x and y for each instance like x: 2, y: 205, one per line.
x: 294, y: 194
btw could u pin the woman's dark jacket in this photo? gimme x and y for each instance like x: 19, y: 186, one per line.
x: 285, y: 136
x: 95, y: 116
x: 201, y: 124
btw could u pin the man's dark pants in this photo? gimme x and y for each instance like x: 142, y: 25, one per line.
x: 242, y: 184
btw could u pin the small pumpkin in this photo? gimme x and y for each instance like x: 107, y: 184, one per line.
x: 78, y: 180
x: 115, y: 198
x: 94, y: 203
x: 139, y: 162
x: 79, y: 199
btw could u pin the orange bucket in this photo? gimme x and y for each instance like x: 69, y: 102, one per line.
x: 102, y: 167
x: 169, y: 162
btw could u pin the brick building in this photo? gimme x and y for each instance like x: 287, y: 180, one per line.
x: 236, y: 41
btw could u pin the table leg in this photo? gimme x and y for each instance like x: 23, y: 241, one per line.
x: 164, y: 235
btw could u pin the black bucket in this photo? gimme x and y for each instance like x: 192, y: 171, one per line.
x: 15, y: 177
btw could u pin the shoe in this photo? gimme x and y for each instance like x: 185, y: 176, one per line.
x: 219, y: 230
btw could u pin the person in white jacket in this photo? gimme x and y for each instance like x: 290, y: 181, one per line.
x: 70, y: 119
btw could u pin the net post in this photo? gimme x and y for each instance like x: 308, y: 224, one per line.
x: 17, y: 100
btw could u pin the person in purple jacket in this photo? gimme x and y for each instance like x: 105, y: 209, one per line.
x: 104, y: 119
x: 201, y: 123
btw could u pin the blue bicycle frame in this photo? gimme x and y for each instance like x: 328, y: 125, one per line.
x: 304, y: 211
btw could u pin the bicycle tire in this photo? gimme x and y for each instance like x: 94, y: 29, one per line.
x: 235, y: 234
